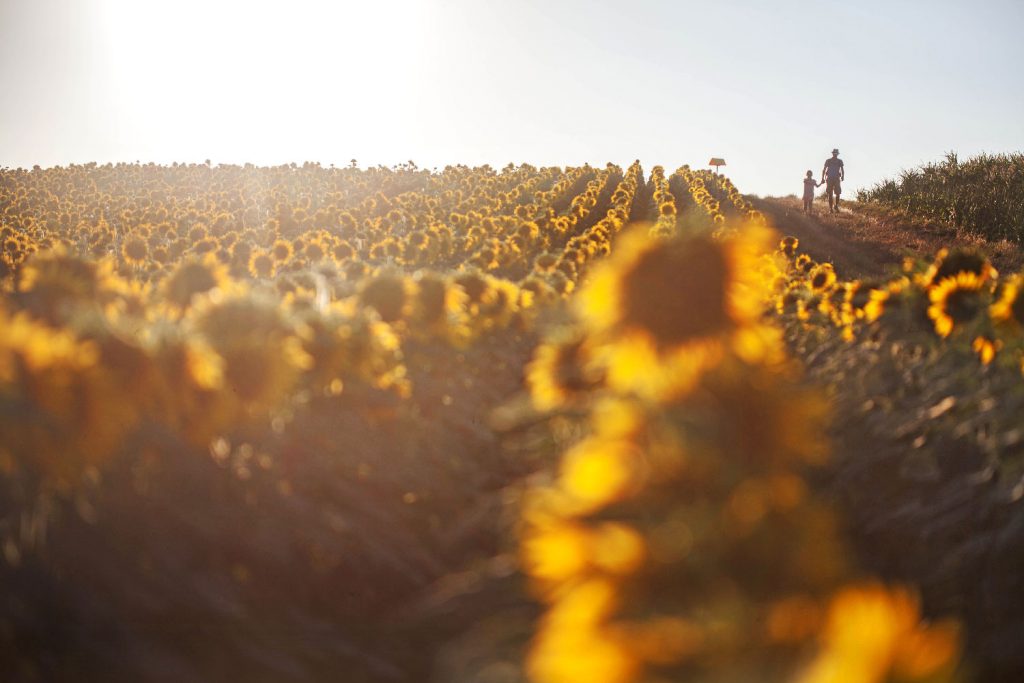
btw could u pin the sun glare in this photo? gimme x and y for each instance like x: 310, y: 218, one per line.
x: 260, y: 81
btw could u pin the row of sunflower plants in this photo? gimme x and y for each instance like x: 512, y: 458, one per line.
x: 679, y: 538
x: 924, y: 370
x: 188, y: 352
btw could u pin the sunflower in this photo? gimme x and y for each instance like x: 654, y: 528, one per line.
x: 803, y: 263
x: 437, y: 307
x: 282, y: 251
x: 986, y: 348
x: 135, y: 250
x: 808, y: 307
x: 875, y: 633
x: 788, y: 302
x: 1008, y: 309
x: 355, y: 270
x: 955, y: 301
x: 822, y: 277
x: 192, y: 278
x: 160, y: 255
x: 545, y: 262
x: 263, y: 356
x: 856, y: 297
x: 561, y: 372
x: 207, y: 245
x: 389, y: 295
x: 197, y: 232
x: 314, y: 252
x: 951, y: 262
x: 54, y: 284
x: 661, y: 309
x: 241, y: 251
x: 262, y: 265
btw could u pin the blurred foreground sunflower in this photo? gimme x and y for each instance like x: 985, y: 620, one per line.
x: 956, y: 301
x: 660, y: 310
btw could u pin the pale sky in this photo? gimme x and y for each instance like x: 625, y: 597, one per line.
x: 770, y: 85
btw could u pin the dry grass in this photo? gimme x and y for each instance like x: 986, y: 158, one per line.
x: 919, y: 236
x: 863, y: 235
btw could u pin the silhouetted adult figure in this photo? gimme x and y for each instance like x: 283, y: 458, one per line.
x: 833, y: 173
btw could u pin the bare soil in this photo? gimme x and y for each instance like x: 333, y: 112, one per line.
x: 865, y: 242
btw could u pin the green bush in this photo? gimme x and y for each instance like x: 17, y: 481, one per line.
x: 983, y: 195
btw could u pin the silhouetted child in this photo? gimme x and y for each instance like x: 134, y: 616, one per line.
x: 809, y: 184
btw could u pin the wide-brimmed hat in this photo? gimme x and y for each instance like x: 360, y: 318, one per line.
x: 835, y: 151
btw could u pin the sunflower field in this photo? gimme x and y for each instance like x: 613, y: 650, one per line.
x: 547, y: 425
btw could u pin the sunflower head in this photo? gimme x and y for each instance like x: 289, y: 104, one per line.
x: 355, y: 270
x: 282, y: 250
x: 956, y: 301
x: 135, y: 250
x: 263, y: 356
x: 822, y: 277
x: 1008, y: 309
x: 388, y: 294
x: 262, y: 265
x: 54, y: 283
x: 342, y: 250
x: 562, y: 371
x: 950, y: 262
x: 477, y: 286
x: 191, y: 278
x: 673, y: 291
x: 314, y: 252
x: 545, y: 262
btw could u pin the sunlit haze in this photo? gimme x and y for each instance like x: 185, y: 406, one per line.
x: 769, y: 86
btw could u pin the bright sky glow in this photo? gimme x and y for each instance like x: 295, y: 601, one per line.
x: 770, y: 86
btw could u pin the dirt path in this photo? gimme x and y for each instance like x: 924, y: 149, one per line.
x: 863, y: 245
x: 838, y: 239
